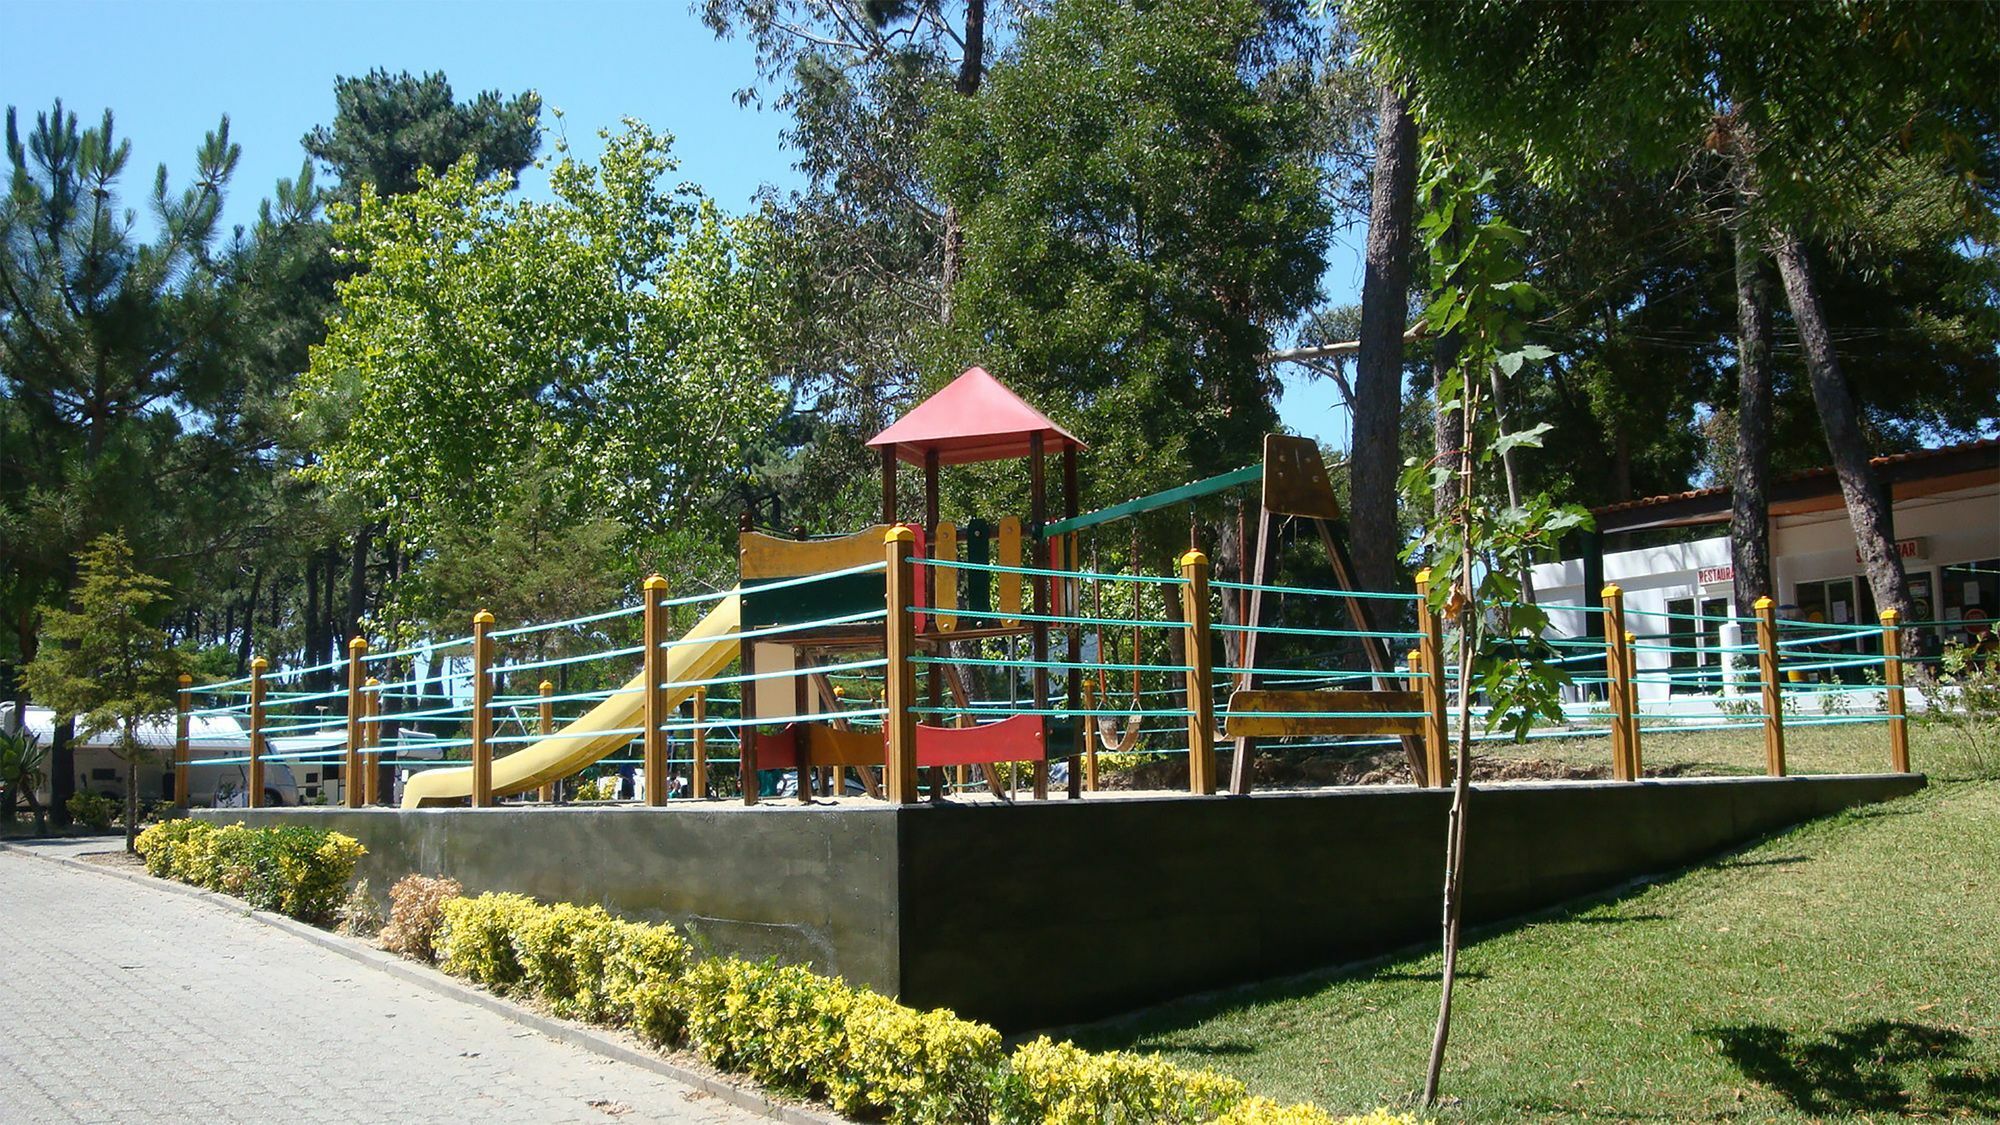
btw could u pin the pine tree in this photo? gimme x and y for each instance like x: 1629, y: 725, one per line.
x: 107, y: 665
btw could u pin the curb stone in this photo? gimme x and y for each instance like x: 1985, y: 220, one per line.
x: 585, y: 1038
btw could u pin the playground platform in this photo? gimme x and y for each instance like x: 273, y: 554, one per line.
x: 1043, y: 913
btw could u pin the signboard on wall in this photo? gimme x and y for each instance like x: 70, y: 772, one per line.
x: 1907, y: 549
x: 1709, y: 575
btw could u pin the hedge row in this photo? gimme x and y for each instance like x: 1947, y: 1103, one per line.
x: 801, y: 1033
x: 294, y: 870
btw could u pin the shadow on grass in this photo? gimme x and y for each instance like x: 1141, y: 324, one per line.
x: 1880, y: 1066
x: 1774, y: 861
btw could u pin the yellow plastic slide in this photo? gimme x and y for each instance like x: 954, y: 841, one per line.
x: 571, y: 748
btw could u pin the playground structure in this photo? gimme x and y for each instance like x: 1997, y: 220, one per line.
x: 925, y: 659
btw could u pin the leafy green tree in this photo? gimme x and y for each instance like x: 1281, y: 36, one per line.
x: 610, y: 344
x: 1808, y: 102
x: 118, y: 397
x: 1137, y: 220
x: 108, y: 665
x: 389, y: 128
x: 1487, y: 537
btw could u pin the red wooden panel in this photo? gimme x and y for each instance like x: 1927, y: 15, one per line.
x: 1018, y: 738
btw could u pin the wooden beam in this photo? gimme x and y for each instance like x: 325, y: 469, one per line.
x: 1296, y: 714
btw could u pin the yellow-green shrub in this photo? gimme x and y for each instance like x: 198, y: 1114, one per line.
x: 167, y: 842
x: 779, y: 1024
x: 300, y: 871
x: 913, y: 1066
x: 644, y: 980
x: 477, y: 938
x: 1264, y: 1111
x: 1062, y: 1084
x: 562, y: 950
x: 416, y: 911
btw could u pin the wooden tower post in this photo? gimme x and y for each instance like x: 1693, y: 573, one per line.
x: 1774, y: 692
x: 1892, y: 694
x: 482, y: 711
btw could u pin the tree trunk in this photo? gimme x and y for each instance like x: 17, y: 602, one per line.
x: 314, y: 640
x: 1749, y: 515
x: 62, y: 771
x: 131, y: 791
x: 1868, y: 502
x: 971, y: 71
x: 1378, y: 376
x: 357, y: 581
x: 1511, y: 471
x: 1448, y: 433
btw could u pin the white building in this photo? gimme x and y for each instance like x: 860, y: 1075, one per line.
x: 1947, y: 527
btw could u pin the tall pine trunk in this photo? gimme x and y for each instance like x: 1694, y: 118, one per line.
x: 1378, y: 375
x: 1869, y: 508
x: 1749, y: 515
x: 971, y: 70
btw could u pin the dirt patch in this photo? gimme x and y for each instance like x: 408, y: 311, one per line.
x: 121, y: 859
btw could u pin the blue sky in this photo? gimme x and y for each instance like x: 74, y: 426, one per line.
x: 169, y: 69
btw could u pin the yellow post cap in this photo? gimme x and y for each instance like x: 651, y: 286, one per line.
x: 1424, y: 577
x: 1890, y: 617
x: 1193, y: 558
x: 1762, y: 603
x: 1631, y: 638
x: 258, y: 664
x: 547, y: 687
x: 655, y: 582
x: 185, y: 679
x: 1611, y: 590
x: 373, y: 682
x: 483, y: 617
x: 899, y: 534
x: 358, y: 644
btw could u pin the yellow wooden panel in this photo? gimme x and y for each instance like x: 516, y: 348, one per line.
x: 1009, y: 583
x: 767, y: 556
x: 832, y: 747
x: 1289, y: 714
x: 1295, y: 482
x: 944, y: 587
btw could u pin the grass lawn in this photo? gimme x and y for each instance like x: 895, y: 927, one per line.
x: 1847, y: 967
x: 1936, y: 750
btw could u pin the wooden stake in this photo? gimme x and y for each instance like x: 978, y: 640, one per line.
x: 353, y: 789
x: 1892, y: 695
x: 1617, y: 662
x: 482, y: 711
x: 371, y: 737
x: 1774, y: 697
x: 254, y: 798
x: 900, y: 766
x: 545, y: 724
x: 1430, y: 652
x: 653, y: 740
x: 700, y: 742
x: 1200, y: 675
x: 1038, y: 514
x: 181, y: 702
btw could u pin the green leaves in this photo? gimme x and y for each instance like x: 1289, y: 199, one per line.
x: 607, y: 348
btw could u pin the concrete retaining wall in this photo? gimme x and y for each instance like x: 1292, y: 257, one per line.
x: 1038, y: 914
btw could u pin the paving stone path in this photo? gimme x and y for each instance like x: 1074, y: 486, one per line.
x: 126, y: 1003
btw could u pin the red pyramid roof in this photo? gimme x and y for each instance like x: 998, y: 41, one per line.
x: 974, y: 418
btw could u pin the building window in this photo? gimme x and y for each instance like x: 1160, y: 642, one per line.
x: 1694, y: 629
x: 1967, y: 587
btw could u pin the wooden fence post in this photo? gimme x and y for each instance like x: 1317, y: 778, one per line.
x: 1618, y: 693
x: 1200, y: 676
x: 900, y: 724
x: 545, y: 725
x: 1429, y: 658
x: 653, y: 740
x: 700, y: 742
x: 1635, y: 758
x: 181, y: 701
x: 1774, y: 692
x: 482, y: 711
x: 1089, y: 690
x: 1892, y: 694
x: 352, y: 788
x: 253, y: 796
x: 371, y: 737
